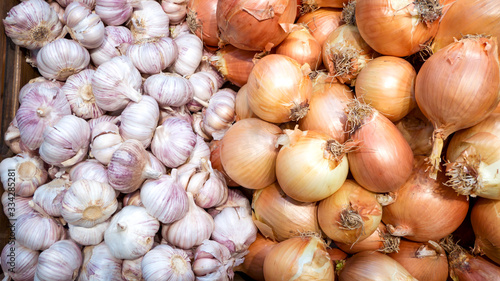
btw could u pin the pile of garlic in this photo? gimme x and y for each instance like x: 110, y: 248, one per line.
x: 112, y: 176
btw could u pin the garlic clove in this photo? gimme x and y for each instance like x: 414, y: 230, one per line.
x: 60, y: 262
x: 212, y: 191
x: 204, y: 86
x: 18, y: 262
x: 212, y: 261
x: 89, y: 169
x: 48, y: 231
x: 22, y: 174
x: 139, y: 120
x: 166, y: 263
x: 88, y: 236
x: 100, y: 264
x: 106, y: 139
x: 49, y: 196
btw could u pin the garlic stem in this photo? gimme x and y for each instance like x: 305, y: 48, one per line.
x: 75, y: 159
x: 202, y: 102
x: 39, y: 209
x: 122, y: 226
x: 149, y: 173
x: 131, y: 93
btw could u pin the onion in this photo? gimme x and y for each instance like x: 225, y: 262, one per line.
x: 242, y: 108
x: 457, y: 88
x: 248, y: 153
x: 349, y: 215
x: 373, y: 266
x: 234, y: 64
x: 425, y: 209
x: 215, y: 146
x: 393, y: 93
x: 380, y: 240
x: 398, y: 27
x: 278, y: 89
x: 417, y: 131
x: 254, y: 25
x: 312, y: 5
x: 254, y: 260
x: 202, y: 20
x: 485, y: 219
x: 321, y: 22
x: 301, y: 46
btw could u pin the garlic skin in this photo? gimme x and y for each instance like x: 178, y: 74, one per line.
x: 18, y: 262
x: 149, y: 21
x: 220, y: 113
x: 190, y: 53
x: 133, y: 199
x: 40, y: 109
x: 204, y: 87
x: 212, y: 261
x: 99, y: 264
x: 66, y: 143
x: 89, y: 169
x: 60, y: 262
x: 21, y: 204
x: 12, y: 138
x: 106, y: 139
x: 198, y: 126
x: 27, y: 172
x: 59, y: 10
x: 32, y: 24
x: 191, y: 230
x: 47, y: 231
x: 88, y: 236
x: 35, y: 83
x: 61, y: 59
x: 84, y: 26
x: 173, y: 142
x: 175, y: 9
x: 131, y: 233
x: 200, y: 153
x: 115, y: 12
x: 78, y: 91
x: 116, y: 39
x: 166, y: 263
x: 156, y: 164
x: 234, y: 228
x: 105, y: 118
x: 139, y: 120
x: 152, y: 55
x: 169, y: 89
x: 212, y: 190
x: 88, y: 203
x: 132, y: 269
x: 89, y: 3
x: 49, y: 196
x: 115, y: 83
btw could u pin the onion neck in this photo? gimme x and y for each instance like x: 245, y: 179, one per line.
x: 435, y: 158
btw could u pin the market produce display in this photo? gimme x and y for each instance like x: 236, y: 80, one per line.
x: 218, y: 140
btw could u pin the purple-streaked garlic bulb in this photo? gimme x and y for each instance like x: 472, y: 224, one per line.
x: 139, y: 120
x: 152, y: 55
x: 115, y: 12
x: 149, y: 21
x: 116, y: 39
x: 22, y: 174
x: 84, y: 26
x: 78, y: 91
x: 169, y: 89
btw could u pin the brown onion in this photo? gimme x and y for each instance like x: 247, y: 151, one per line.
x: 254, y: 25
x: 457, y: 88
x: 485, y: 219
x: 425, y: 209
x: 215, y: 146
x: 234, y: 64
x: 321, y: 22
x: 301, y: 46
x: 417, y: 131
x: 202, y: 20
x: 253, y: 265
x: 242, y: 108
x: 380, y: 240
x: 312, y: 5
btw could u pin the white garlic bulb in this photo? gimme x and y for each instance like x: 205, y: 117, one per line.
x: 152, y: 55
x: 175, y: 9
x: 132, y: 270
x: 62, y: 58
x: 33, y: 85
x: 21, y: 205
x: 18, y: 262
x: 156, y: 164
x: 190, y: 53
x: 220, y: 113
x: 115, y: 83
x: 60, y: 262
x: 104, y: 118
x: 32, y: 24
x: 48, y: 231
x: 40, y: 109
x: 87, y: 236
x: 115, y: 12
x: 100, y: 264
x: 212, y: 190
x: 166, y: 263
x: 89, y: 3
x: 179, y: 112
x: 87, y: 203
x: 131, y: 233
x: 22, y: 174
x: 116, y: 39
x: 78, y: 91
x: 234, y: 228
x: 204, y: 88
x: 49, y: 196
x: 149, y: 21
x: 173, y: 142
x: 212, y: 261
x: 169, y: 89
x: 190, y: 231
x: 89, y: 169
x: 106, y: 139
x: 66, y: 143
x: 84, y: 26
x: 139, y: 120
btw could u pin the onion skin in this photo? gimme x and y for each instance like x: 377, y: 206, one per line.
x: 380, y: 240
x: 242, y: 108
x: 234, y: 64
x: 301, y: 46
x: 322, y: 22
x: 312, y: 5
x: 253, y: 265
x: 202, y: 20
x: 215, y: 146
x: 485, y: 219
x: 254, y: 25
x: 417, y: 131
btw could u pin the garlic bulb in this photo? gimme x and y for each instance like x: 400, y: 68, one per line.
x: 115, y: 12
x: 22, y: 174
x: 66, y: 143
x: 190, y: 52
x: 132, y: 269
x: 49, y: 196
x: 173, y: 142
x: 32, y: 24
x: 156, y: 164
x: 89, y: 169
x: 139, y: 120
x: 133, y: 198
x: 87, y: 236
x: 179, y: 112
x: 169, y: 89
x: 200, y: 154
x: 152, y: 55
x: 89, y: 3
x: 88, y: 203
x: 18, y: 262
x: 165, y: 198
x: 106, y: 139
x: 78, y: 91
x: 12, y: 138
x: 234, y: 228
x: 149, y: 21
x: 198, y: 126
x: 129, y: 167
x: 35, y: 83
x: 235, y: 199
x: 60, y: 262
x: 212, y: 261
x: 48, y: 231
x: 212, y: 190
x: 99, y: 264
x: 115, y: 83
x: 177, y: 30
x: 62, y: 58
x: 84, y: 26
x: 204, y: 88
x: 116, y: 39
x: 40, y: 109
x: 220, y: 113
x: 175, y: 9
x: 105, y: 118
x: 190, y: 231
x: 21, y: 204
x: 130, y: 233
x: 59, y: 10
x: 166, y: 263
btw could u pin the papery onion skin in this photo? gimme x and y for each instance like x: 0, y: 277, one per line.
x: 380, y: 240
x: 202, y: 20
x: 417, y: 131
x: 242, y: 108
x: 485, y: 219
x: 301, y: 46
x: 254, y: 260
x: 321, y: 22
x: 312, y: 5
x: 215, y: 147
x: 234, y: 64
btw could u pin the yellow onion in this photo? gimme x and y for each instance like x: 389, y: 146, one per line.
x: 398, y: 27
x: 497, y: 110
x: 327, y: 109
x: 253, y: 265
x: 310, y: 165
x: 279, y: 89
x: 383, y: 160
x: 373, y: 266
x: 388, y: 84
x: 215, y: 146
x: 380, y: 240
x: 234, y: 64
x: 248, y: 152
x: 301, y: 46
x: 279, y: 217
x: 242, y: 108
x: 485, y: 219
x: 458, y: 87
x: 417, y: 131
x: 202, y: 20
x: 349, y: 215
x: 425, y: 209
x: 321, y: 22
x: 254, y: 25
x: 312, y: 5
x: 424, y: 261
x: 336, y: 254
x: 474, y: 159
x: 299, y: 258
